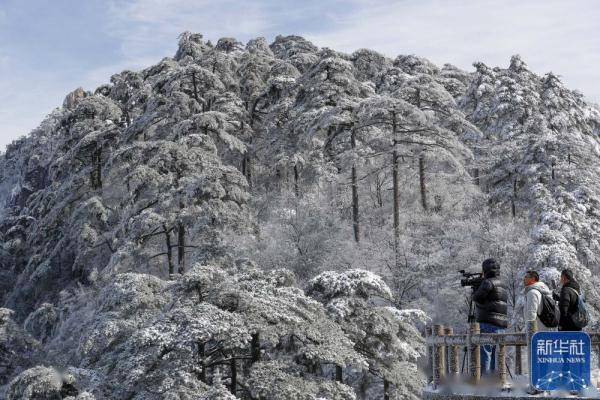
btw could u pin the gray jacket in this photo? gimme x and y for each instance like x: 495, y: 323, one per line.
x: 533, y: 303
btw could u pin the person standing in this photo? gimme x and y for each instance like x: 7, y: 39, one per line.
x: 491, y: 309
x: 534, y: 292
x: 568, y: 301
x: 539, y: 307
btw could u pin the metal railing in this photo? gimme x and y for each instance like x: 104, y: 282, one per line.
x: 444, y: 349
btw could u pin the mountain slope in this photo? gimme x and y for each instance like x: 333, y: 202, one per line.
x: 269, y: 217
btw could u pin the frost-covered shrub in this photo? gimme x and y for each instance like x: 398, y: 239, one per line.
x: 18, y: 349
x: 36, y: 384
x: 42, y: 322
x: 275, y: 380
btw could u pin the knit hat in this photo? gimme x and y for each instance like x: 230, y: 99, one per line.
x: 490, y: 265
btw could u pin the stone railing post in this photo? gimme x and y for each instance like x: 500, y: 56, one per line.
x: 428, y: 348
x: 474, y: 353
x: 530, y: 330
x: 438, y: 357
x: 453, y: 351
x: 502, y: 366
x: 518, y: 359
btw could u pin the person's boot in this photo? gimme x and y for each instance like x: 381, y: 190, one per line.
x: 532, y: 390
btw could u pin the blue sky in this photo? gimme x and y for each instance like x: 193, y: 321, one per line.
x: 50, y: 47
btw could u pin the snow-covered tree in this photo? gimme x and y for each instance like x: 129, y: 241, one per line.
x: 382, y: 334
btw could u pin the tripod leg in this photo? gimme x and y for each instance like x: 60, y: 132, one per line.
x: 462, y: 368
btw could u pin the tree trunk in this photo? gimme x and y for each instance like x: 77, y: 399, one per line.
x: 195, y: 85
x: 514, y: 197
x: 315, y: 367
x: 396, y: 187
x: 422, y: 181
x: 248, y: 168
x: 355, y: 216
x: 233, y: 375
x: 99, y: 168
x: 328, y: 144
x: 96, y: 169
x: 364, y: 385
x: 418, y: 98
x: 339, y: 374
x: 437, y: 203
x: 244, y: 158
x: 476, y: 175
x: 248, y: 158
x: 202, y: 366
x: 378, y: 193
x: 169, y: 250
x: 278, y: 179
x: 296, y: 183
x: 386, y: 389
x: 255, y: 352
x: 180, y: 248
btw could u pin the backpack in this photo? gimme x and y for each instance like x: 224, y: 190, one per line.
x: 580, y: 317
x: 550, y: 313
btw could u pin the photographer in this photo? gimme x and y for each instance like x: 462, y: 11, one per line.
x: 491, y: 309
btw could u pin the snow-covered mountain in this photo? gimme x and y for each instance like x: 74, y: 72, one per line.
x: 279, y: 221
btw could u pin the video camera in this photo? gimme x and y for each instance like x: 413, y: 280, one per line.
x: 472, y: 279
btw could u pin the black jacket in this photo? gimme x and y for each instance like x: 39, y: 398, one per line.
x: 491, y: 299
x: 567, y: 304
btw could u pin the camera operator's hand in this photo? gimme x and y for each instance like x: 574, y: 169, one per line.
x: 480, y: 295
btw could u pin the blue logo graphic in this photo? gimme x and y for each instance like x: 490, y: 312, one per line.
x: 560, y: 360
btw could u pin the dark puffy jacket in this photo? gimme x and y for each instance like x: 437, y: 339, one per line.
x: 567, y: 304
x: 491, y: 298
